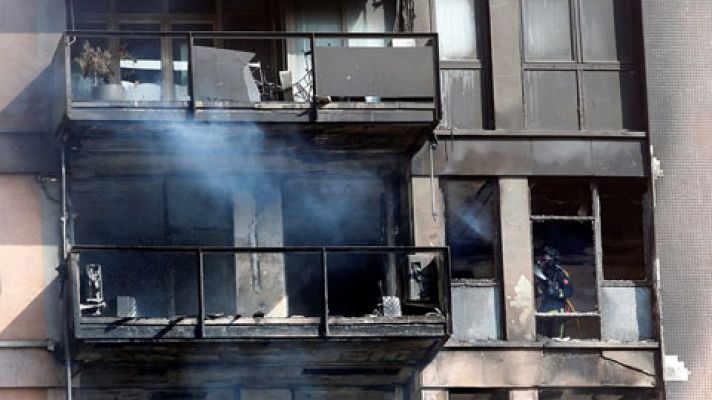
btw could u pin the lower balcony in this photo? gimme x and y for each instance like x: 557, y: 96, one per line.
x: 156, y: 294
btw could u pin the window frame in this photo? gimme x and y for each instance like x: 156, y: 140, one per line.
x: 496, y: 279
x: 165, y: 20
x: 601, y: 282
x: 580, y: 66
x: 483, y: 65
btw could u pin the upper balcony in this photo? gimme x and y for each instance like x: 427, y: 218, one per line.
x: 318, y: 79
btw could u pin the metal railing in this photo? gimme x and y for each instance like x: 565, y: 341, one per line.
x: 426, y: 268
x: 187, y: 69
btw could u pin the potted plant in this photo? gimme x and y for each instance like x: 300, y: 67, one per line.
x: 101, y: 66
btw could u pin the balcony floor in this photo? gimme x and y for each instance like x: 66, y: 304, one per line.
x: 118, y: 330
x: 346, y: 358
x: 403, y: 112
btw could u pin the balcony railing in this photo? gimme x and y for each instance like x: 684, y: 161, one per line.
x: 162, y: 292
x: 255, y: 76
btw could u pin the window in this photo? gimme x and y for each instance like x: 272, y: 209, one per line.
x: 581, y: 65
x: 142, y: 76
x: 470, y: 229
x: 622, y: 230
x: 148, y: 68
x: 472, y: 232
x: 462, y: 29
x: 597, y: 233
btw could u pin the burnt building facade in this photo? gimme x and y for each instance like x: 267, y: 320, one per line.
x: 235, y: 199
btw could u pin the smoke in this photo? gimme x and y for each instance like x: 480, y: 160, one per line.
x: 238, y: 185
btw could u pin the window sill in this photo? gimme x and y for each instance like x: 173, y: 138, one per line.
x: 445, y: 133
x: 570, y: 344
x: 471, y: 282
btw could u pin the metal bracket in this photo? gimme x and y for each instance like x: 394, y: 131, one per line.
x: 655, y: 166
x: 432, y: 146
x: 656, y: 172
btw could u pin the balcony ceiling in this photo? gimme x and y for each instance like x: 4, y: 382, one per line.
x: 131, y: 149
x: 371, y: 362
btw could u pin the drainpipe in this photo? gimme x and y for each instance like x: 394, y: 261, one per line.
x: 65, y: 254
x: 431, y: 147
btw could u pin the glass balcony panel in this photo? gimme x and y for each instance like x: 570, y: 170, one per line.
x: 141, y: 65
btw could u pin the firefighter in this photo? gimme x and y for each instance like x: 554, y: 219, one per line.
x: 554, y: 289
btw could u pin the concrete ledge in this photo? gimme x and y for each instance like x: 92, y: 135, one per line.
x: 542, y: 368
x: 29, y: 368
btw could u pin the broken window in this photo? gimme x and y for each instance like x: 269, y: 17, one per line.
x: 462, y: 29
x: 598, y: 394
x: 581, y: 65
x: 623, y: 229
x: 557, y: 197
x: 588, y: 236
x: 470, y: 229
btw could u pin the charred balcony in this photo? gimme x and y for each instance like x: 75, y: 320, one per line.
x: 189, y: 295
x: 314, y: 80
